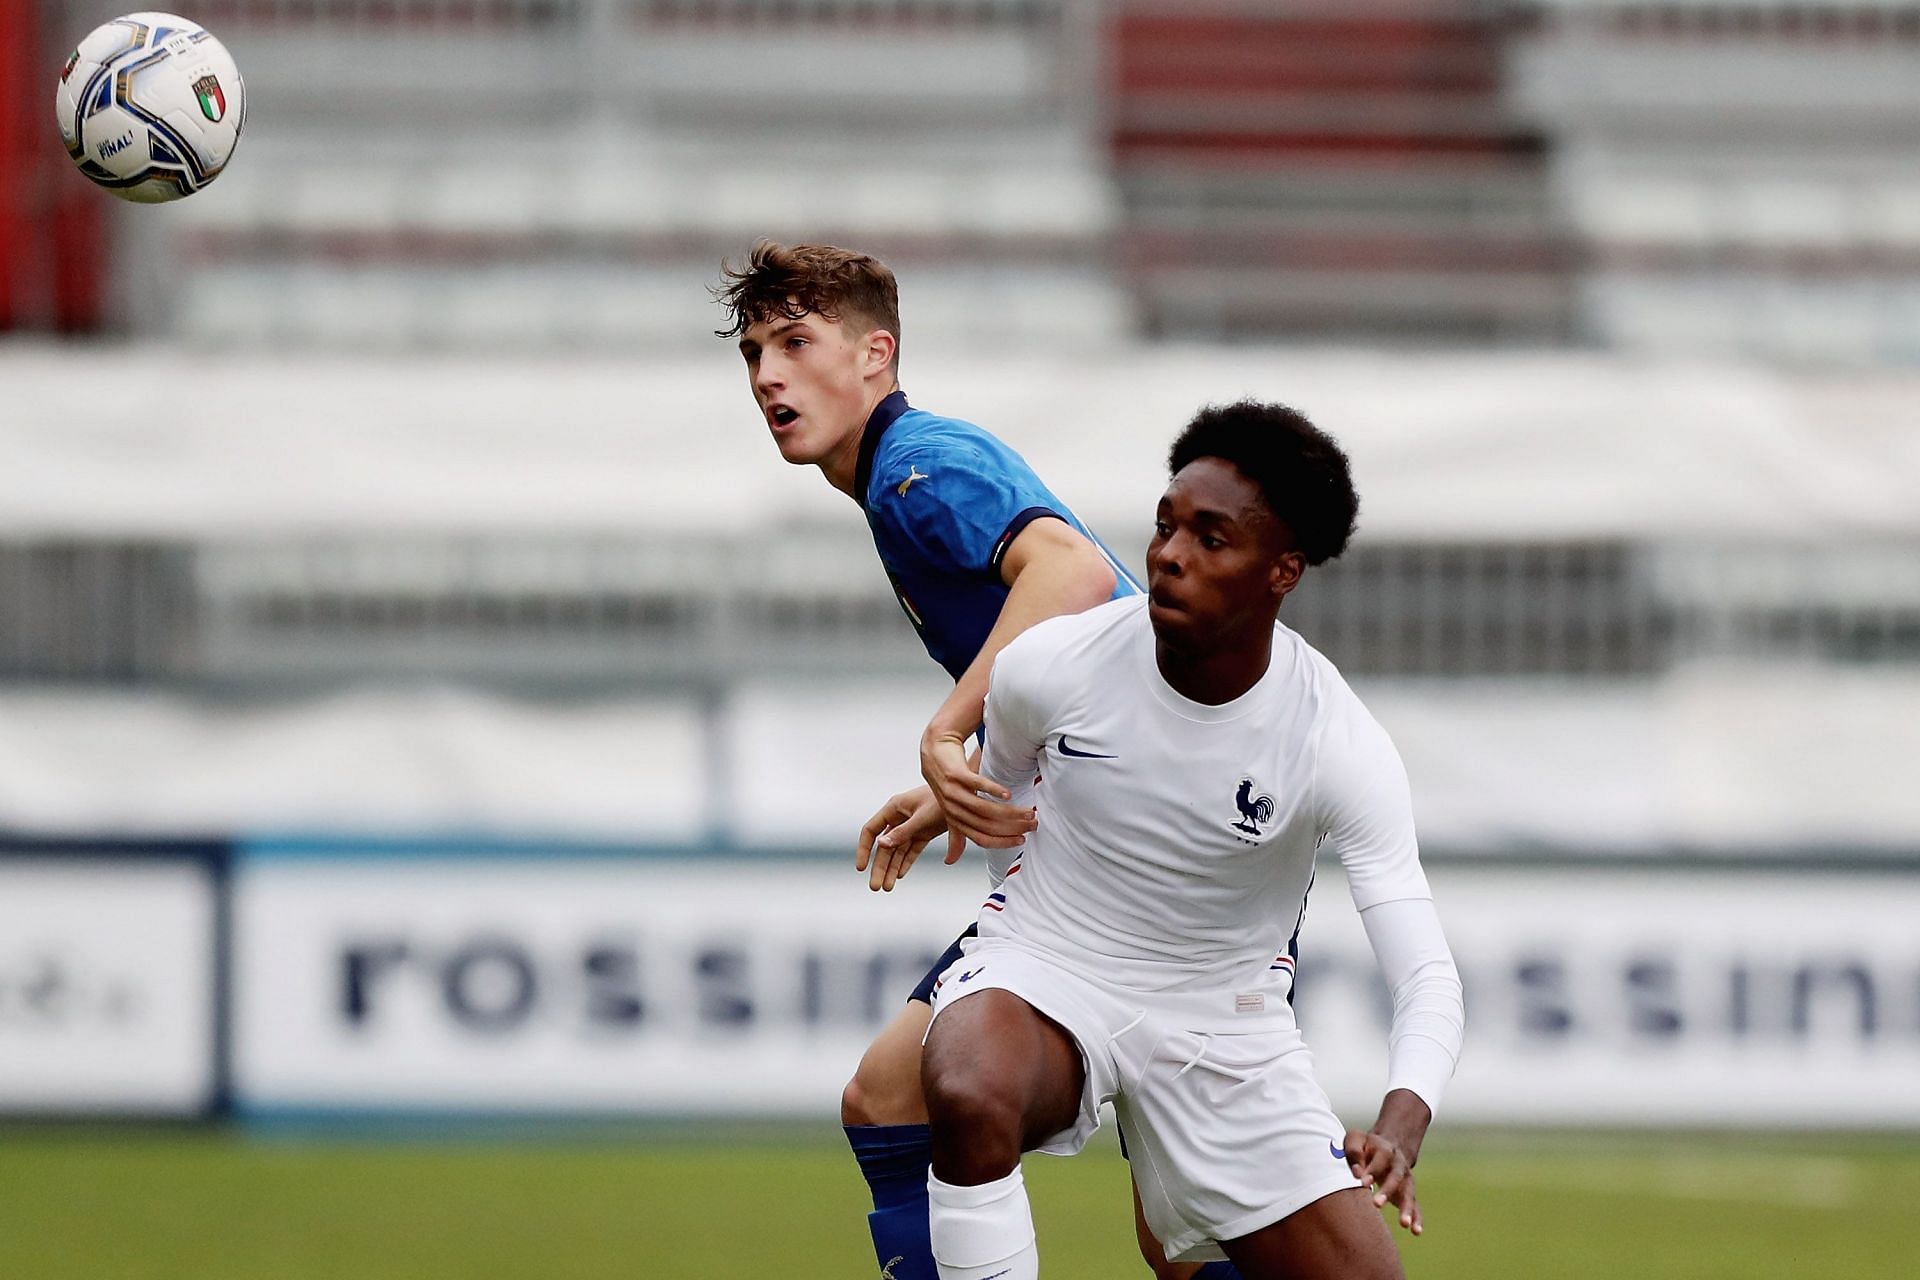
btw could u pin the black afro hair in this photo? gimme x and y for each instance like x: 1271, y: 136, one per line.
x: 1301, y: 472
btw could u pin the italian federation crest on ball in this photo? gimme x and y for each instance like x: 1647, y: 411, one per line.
x: 150, y: 107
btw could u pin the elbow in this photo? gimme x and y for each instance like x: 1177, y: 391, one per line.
x: 1433, y: 998
x: 1095, y: 578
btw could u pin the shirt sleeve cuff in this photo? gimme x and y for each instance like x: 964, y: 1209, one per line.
x: 1422, y: 1066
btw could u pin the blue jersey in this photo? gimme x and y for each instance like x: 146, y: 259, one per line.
x: 945, y: 500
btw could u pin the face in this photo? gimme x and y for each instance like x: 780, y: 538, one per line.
x: 812, y: 378
x: 1219, y: 563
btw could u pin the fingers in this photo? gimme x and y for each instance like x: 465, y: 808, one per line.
x: 1384, y: 1171
x: 1381, y: 1174
x: 946, y: 770
x: 893, y: 861
x: 956, y: 845
x: 1393, y: 1184
x: 894, y: 837
x: 967, y: 782
x: 975, y: 805
x: 894, y: 811
x: 1397, y: 1188
x: 991, y: 824
x: 1354, y: 1147
x: 863, y: 849
x: 984, y: 821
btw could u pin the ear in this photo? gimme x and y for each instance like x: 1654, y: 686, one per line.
x: 1284, y: 576
x: 877, y: 358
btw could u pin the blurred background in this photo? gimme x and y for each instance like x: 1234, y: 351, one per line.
x: 427, y: 702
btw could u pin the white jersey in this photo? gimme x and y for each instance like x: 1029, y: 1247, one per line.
x: 1176, y: 840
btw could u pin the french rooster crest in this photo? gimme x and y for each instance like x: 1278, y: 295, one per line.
x: 1254, y: 809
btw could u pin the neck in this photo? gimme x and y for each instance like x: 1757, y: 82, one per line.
x: 1219, y: 674
x: 842, y: 466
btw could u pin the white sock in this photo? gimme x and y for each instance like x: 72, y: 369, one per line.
x: 983, y: 1232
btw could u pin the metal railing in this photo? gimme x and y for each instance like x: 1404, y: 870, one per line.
x: 573, y: 614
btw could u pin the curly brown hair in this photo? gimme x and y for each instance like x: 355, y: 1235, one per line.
x: 793, y: 280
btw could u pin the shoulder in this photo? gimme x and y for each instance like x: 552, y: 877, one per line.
x: 1318, y: 685
x: 1313, y: 673
x: 1353, y: 750
x: 1074, y: 639
x: 924, y: 441
x: 1059, y: 663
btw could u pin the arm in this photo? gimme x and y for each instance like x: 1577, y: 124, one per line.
x: 1367, y: 806
x: 1429, y: 1019
x: 894, y: 836
x: 1051, y: 569
x: 1015, y: 734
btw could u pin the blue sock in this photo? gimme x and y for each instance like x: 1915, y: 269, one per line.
x: 894, y: 1160
x: 1217, y: 1271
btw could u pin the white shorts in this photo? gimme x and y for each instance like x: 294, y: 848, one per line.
x: 1227, y: 1131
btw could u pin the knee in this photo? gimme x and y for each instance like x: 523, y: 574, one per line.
x: 861, y: 1103
x: 882, y: 1093
x: 854, y: 1107
x: 1164, y: 1270
x: 976, y: 1126
x: 1156, y: 1257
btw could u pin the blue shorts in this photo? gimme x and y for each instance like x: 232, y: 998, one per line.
x: 923, y: 990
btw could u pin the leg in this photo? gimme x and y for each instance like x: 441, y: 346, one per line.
x: 1337, y: 1237
x: 886, y: 1124
x: 1156, y: 1257
x: 1000, y: 1078
x: 1150, y: 1249
x: 885, y: 1088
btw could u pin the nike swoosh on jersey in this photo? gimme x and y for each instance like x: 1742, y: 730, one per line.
x: 1066, y: 749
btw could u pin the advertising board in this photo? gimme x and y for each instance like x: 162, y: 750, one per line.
x: 704, y: 985
x: 108, y: 982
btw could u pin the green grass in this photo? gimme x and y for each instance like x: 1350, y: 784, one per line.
x: 108, y: 1204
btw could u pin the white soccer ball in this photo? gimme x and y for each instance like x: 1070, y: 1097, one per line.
x: 150, y: 107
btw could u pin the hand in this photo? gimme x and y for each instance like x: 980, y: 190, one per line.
x: 1386, y: 1169
x: 990, y: 823
x: 894, y: 836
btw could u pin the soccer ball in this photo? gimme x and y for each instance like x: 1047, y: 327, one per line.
x: 150, y: 107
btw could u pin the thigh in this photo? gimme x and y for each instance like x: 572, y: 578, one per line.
x: 1151, y: 1250
x: 1338, y: 1237
x: 995, y: 1042
x: 1076, y: 1021
x: 886, y: 1086
x: 1226, y: 1133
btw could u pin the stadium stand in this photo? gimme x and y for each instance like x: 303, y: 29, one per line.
x: 571, y: 174
x: 1331, y: 169
x: 1713, y: 176
x: 1742, y: 175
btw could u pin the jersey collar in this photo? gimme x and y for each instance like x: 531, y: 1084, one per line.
x: 885, y: 414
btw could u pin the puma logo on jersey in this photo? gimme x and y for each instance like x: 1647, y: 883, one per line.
x: 913, y: 473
